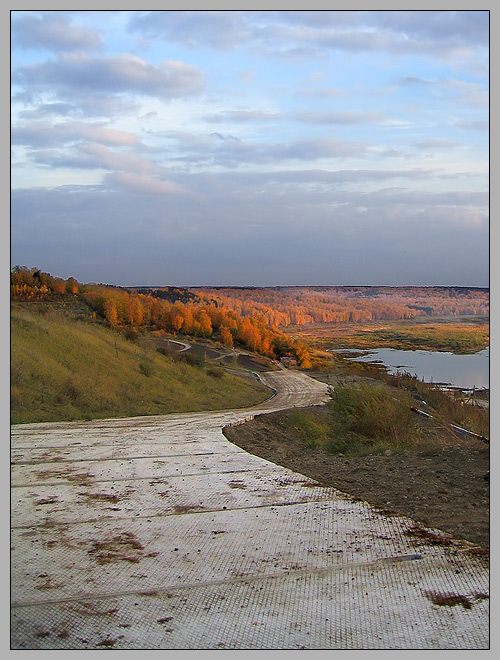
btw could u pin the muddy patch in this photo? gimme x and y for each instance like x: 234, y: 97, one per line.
x: 452, y: 600
x: 101, y: 497
x: 482, y: 554
x: 108, y: 643
x: 46, y: 582
x: 47, y: 500
x: 123, y: 547
x: 427, y: 536
x: 68, y: 473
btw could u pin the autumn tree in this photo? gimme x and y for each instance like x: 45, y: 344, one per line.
x: 225, y: 336
x: 137, y: 312
x: 176, y: 317
x: 110, y: 312
x: 302, y: 354
x: 71, y: 285
x: 205, y: 323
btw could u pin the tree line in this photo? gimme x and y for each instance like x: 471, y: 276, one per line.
x: 250, y: 317
x: 190, y: 315
x: 291, y: 306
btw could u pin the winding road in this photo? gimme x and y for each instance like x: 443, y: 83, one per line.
x: 158, y: 533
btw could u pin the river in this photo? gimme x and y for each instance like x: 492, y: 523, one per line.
x: 464, y: 371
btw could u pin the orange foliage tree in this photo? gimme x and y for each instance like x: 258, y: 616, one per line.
x: 225, y: 336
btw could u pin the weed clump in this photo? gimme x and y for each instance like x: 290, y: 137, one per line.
x: 445, y: 408
x: 146, y: 368
x: 215, y: 372
x: 312, y: 431
x: 370, y: 419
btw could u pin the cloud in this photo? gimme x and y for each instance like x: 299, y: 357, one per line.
x: 246, y: 76
x: 151, y: 235
x: 318, y: 148
x: 440, y: 33
x: 74, y: 105
x: 445, y: 28
x: 224, y: 137
x: 328, y: 93
x: 118, y: 160
x: 143, y: 184
x: 124, y: 73
x: 234, y: 152
x: 242, y: 116
x: 306, y: 33
x: 43, y: 133
x: 341, y: 118
x: 106, y: 135
x: 138, y: 142
x: 471, y: 93
x: 52, y: 31
x: 436, y: 144
x: 39, y: 134
x: 56, y: 159
x: 56, y: 109
x: 413, y: 80
x: 224, y: 30
x: 482, y: 125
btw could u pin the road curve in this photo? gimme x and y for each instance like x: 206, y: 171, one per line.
x: 158, y: 533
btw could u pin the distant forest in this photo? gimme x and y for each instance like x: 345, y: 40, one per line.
x: 286, y: 306
x: 251, y: 317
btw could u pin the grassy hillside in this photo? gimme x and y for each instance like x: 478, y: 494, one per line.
x: 66, y: 369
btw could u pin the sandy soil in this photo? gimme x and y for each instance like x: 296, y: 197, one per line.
x: 444, y: 489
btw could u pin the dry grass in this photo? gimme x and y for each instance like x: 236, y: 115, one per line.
x: 65, y: 369
x: 370, y: 417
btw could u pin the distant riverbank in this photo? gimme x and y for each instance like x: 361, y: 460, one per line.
x: 458, y: 370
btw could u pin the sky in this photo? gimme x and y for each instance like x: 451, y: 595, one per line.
x: 251, y: 148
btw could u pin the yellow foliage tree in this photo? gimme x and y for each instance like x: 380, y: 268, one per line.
x: 110, y: 312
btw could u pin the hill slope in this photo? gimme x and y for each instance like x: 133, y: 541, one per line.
x: 65, y: 369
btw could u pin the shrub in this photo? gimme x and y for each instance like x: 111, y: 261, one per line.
x: 146, y: 368
x: 194, y: 359
x: 215, y: 372
x: 311, y: 430
x: 441, y: 405
x: 370, y: 418
x: 132, y: 333
x: 165, y: 350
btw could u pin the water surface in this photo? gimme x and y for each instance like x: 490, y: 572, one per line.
x: 466, y: 371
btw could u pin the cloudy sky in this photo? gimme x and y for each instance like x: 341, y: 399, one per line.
x: 251, y: 147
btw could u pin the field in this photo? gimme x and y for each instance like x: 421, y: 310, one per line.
x: 461, y: 336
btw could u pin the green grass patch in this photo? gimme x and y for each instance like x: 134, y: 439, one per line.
x: 66, y: 369
x: 311, y: 430
x: 359, y: 420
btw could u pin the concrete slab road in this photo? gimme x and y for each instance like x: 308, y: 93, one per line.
x: 158, y: 533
